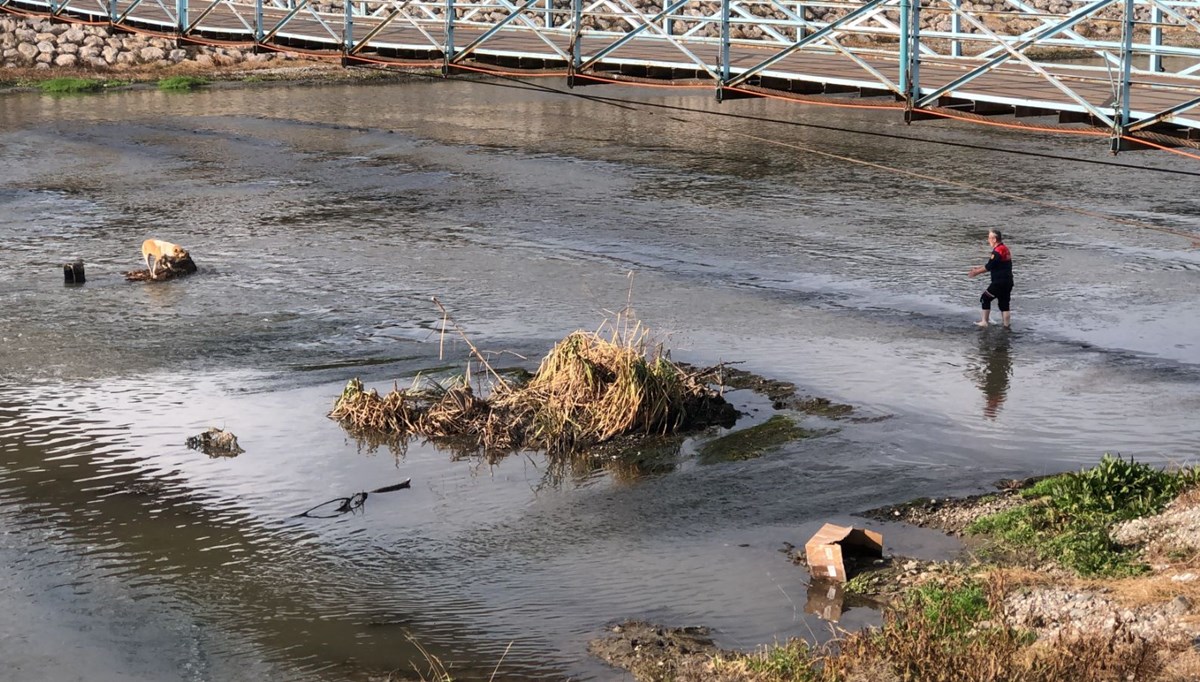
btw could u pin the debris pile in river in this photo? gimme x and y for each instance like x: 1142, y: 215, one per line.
x: 216, y: 443
x: 165, y: 268
x: 587, y: 390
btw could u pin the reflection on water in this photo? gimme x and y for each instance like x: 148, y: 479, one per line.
x: 826, y: 599
x: 322, y: 233
x: 995, y: 369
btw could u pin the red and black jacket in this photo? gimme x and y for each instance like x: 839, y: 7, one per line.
x: 1000, y: 265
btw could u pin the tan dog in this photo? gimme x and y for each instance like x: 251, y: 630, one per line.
x: 158, y: 249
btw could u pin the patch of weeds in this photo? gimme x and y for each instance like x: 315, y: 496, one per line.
x: 1119, y: 489
x: 1069, y: 516
x: 1177, y: 554
x: 946, y: 633
x: 790, y: 661
x: 863, y: 583
x: 66, y: 86
x: 1088, y: 549
x: 1013, y: 526
x: 754, y: 441
x: 182, y: 83
x: 950, y: 612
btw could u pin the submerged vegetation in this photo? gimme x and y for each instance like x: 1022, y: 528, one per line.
x: 754, y: 441
x: 589, y: 389
x: 1068, y: 517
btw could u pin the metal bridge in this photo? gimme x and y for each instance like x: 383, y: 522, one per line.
x: 1128, y: 70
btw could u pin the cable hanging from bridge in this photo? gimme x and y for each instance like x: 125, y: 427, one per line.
x: 1194, y: 238
x: 814, y: 100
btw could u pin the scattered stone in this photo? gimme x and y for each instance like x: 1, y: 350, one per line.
x: 1179, y: 606
x: 951, y: 515
x: 1056, y: 612
x: 1175, y: 531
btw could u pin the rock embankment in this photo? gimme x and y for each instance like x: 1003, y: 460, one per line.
x: 45, y: 44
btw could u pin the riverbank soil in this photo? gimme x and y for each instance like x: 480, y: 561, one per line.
x: 1123, y: 608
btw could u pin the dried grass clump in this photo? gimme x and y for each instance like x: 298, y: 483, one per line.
x: 431, y: 410
x: 589, y: 389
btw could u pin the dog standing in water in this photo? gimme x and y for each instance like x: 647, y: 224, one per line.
x: 160, y: 249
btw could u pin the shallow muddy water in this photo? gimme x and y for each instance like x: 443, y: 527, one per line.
x: 325, y: 218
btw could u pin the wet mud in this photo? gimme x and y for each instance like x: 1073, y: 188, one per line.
x: 652, y: 652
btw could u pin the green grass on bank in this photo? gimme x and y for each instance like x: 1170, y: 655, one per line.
x: 61, y: 86
x: 179, y: 83
x: 1069, y: 516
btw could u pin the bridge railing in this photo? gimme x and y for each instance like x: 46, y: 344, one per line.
x: 1095, y: 54
x: 1166, y: 33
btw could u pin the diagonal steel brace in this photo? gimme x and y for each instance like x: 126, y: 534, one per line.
x: 1071, y: 19
x: 809, y: 40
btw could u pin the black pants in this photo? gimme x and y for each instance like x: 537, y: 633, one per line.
x: 1000, y: 292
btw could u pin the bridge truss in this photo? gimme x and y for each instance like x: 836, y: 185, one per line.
x: 1127, y: 69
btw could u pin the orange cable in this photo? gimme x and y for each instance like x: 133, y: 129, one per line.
x: 215, y: 43
x: 501, y: 72
x: 986, y: 190
x: 1164, y: 148
x: 922, y: 176
x: 1015, y: 126
x: 954, y: 183
x: 393, y: 64
x: 615, y: 81
x: 824, y: 103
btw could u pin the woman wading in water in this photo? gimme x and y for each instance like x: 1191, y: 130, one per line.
x: 1000, y: 265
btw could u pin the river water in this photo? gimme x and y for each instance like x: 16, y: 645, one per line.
x: 324, y: 219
